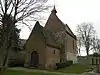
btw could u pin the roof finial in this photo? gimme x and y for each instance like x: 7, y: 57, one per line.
x: 54, y: 9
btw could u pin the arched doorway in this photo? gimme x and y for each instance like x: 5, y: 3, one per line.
x: 34, y: 59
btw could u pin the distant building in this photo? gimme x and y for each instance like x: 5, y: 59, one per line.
x: 42, y: 48
x: 93, y: 59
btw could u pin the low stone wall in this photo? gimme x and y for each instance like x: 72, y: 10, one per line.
x: 82, y: 59
x: 16, y: 58
x: 71, y: 56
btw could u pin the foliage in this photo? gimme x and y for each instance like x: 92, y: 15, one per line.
x: 4, y: 29
x: 8, y: 42
x: 15, y: 12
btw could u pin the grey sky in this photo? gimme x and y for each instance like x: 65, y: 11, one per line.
x: 73, y: 12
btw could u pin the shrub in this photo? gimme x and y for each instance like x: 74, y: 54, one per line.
x: 16, y: 63
x: 68, y: 63
x: 64, y: 64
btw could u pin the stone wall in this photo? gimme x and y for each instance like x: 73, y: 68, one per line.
x: 17, y: 58
x: 71, y: 56
x: 52, y: 57
x: 91, y: 60
x: 82, y: 59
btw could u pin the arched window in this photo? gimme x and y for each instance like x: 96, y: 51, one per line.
x: 34, y: 59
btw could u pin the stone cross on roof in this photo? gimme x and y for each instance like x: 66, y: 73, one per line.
x: 54, y: 10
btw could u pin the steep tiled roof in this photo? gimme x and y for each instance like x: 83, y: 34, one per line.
x: 49, y: 38
x: 46, y: 34
x: 54, y: 24
x: 68, y: 29
x: 36, y: 28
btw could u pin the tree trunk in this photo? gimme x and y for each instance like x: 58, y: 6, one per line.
x: 79, y: 52
x: 5, y: 62
x: 6, y: 54
x: 87, y: 52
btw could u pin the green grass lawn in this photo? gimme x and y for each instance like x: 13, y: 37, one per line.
x: 12, y: 72
x: 75, y: 68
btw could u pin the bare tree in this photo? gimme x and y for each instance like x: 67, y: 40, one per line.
x: 96, y: 44
x: 22, y: 11
x: 85, y: 34
x: 79, y: 46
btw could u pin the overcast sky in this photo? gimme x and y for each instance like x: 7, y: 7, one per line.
x: 74, y: 12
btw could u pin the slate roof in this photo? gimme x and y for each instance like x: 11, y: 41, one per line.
x: 46, y: 34
x: 49, y: 38
x: 54, y: 24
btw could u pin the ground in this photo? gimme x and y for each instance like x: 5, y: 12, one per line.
x: 13, y: 72
x: 17, y: 72
x: 23, y: 71
x: 75, y: 68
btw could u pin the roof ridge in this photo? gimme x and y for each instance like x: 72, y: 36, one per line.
x: 69, y: 28
x: 37, y: 25
x: 59, y: 20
